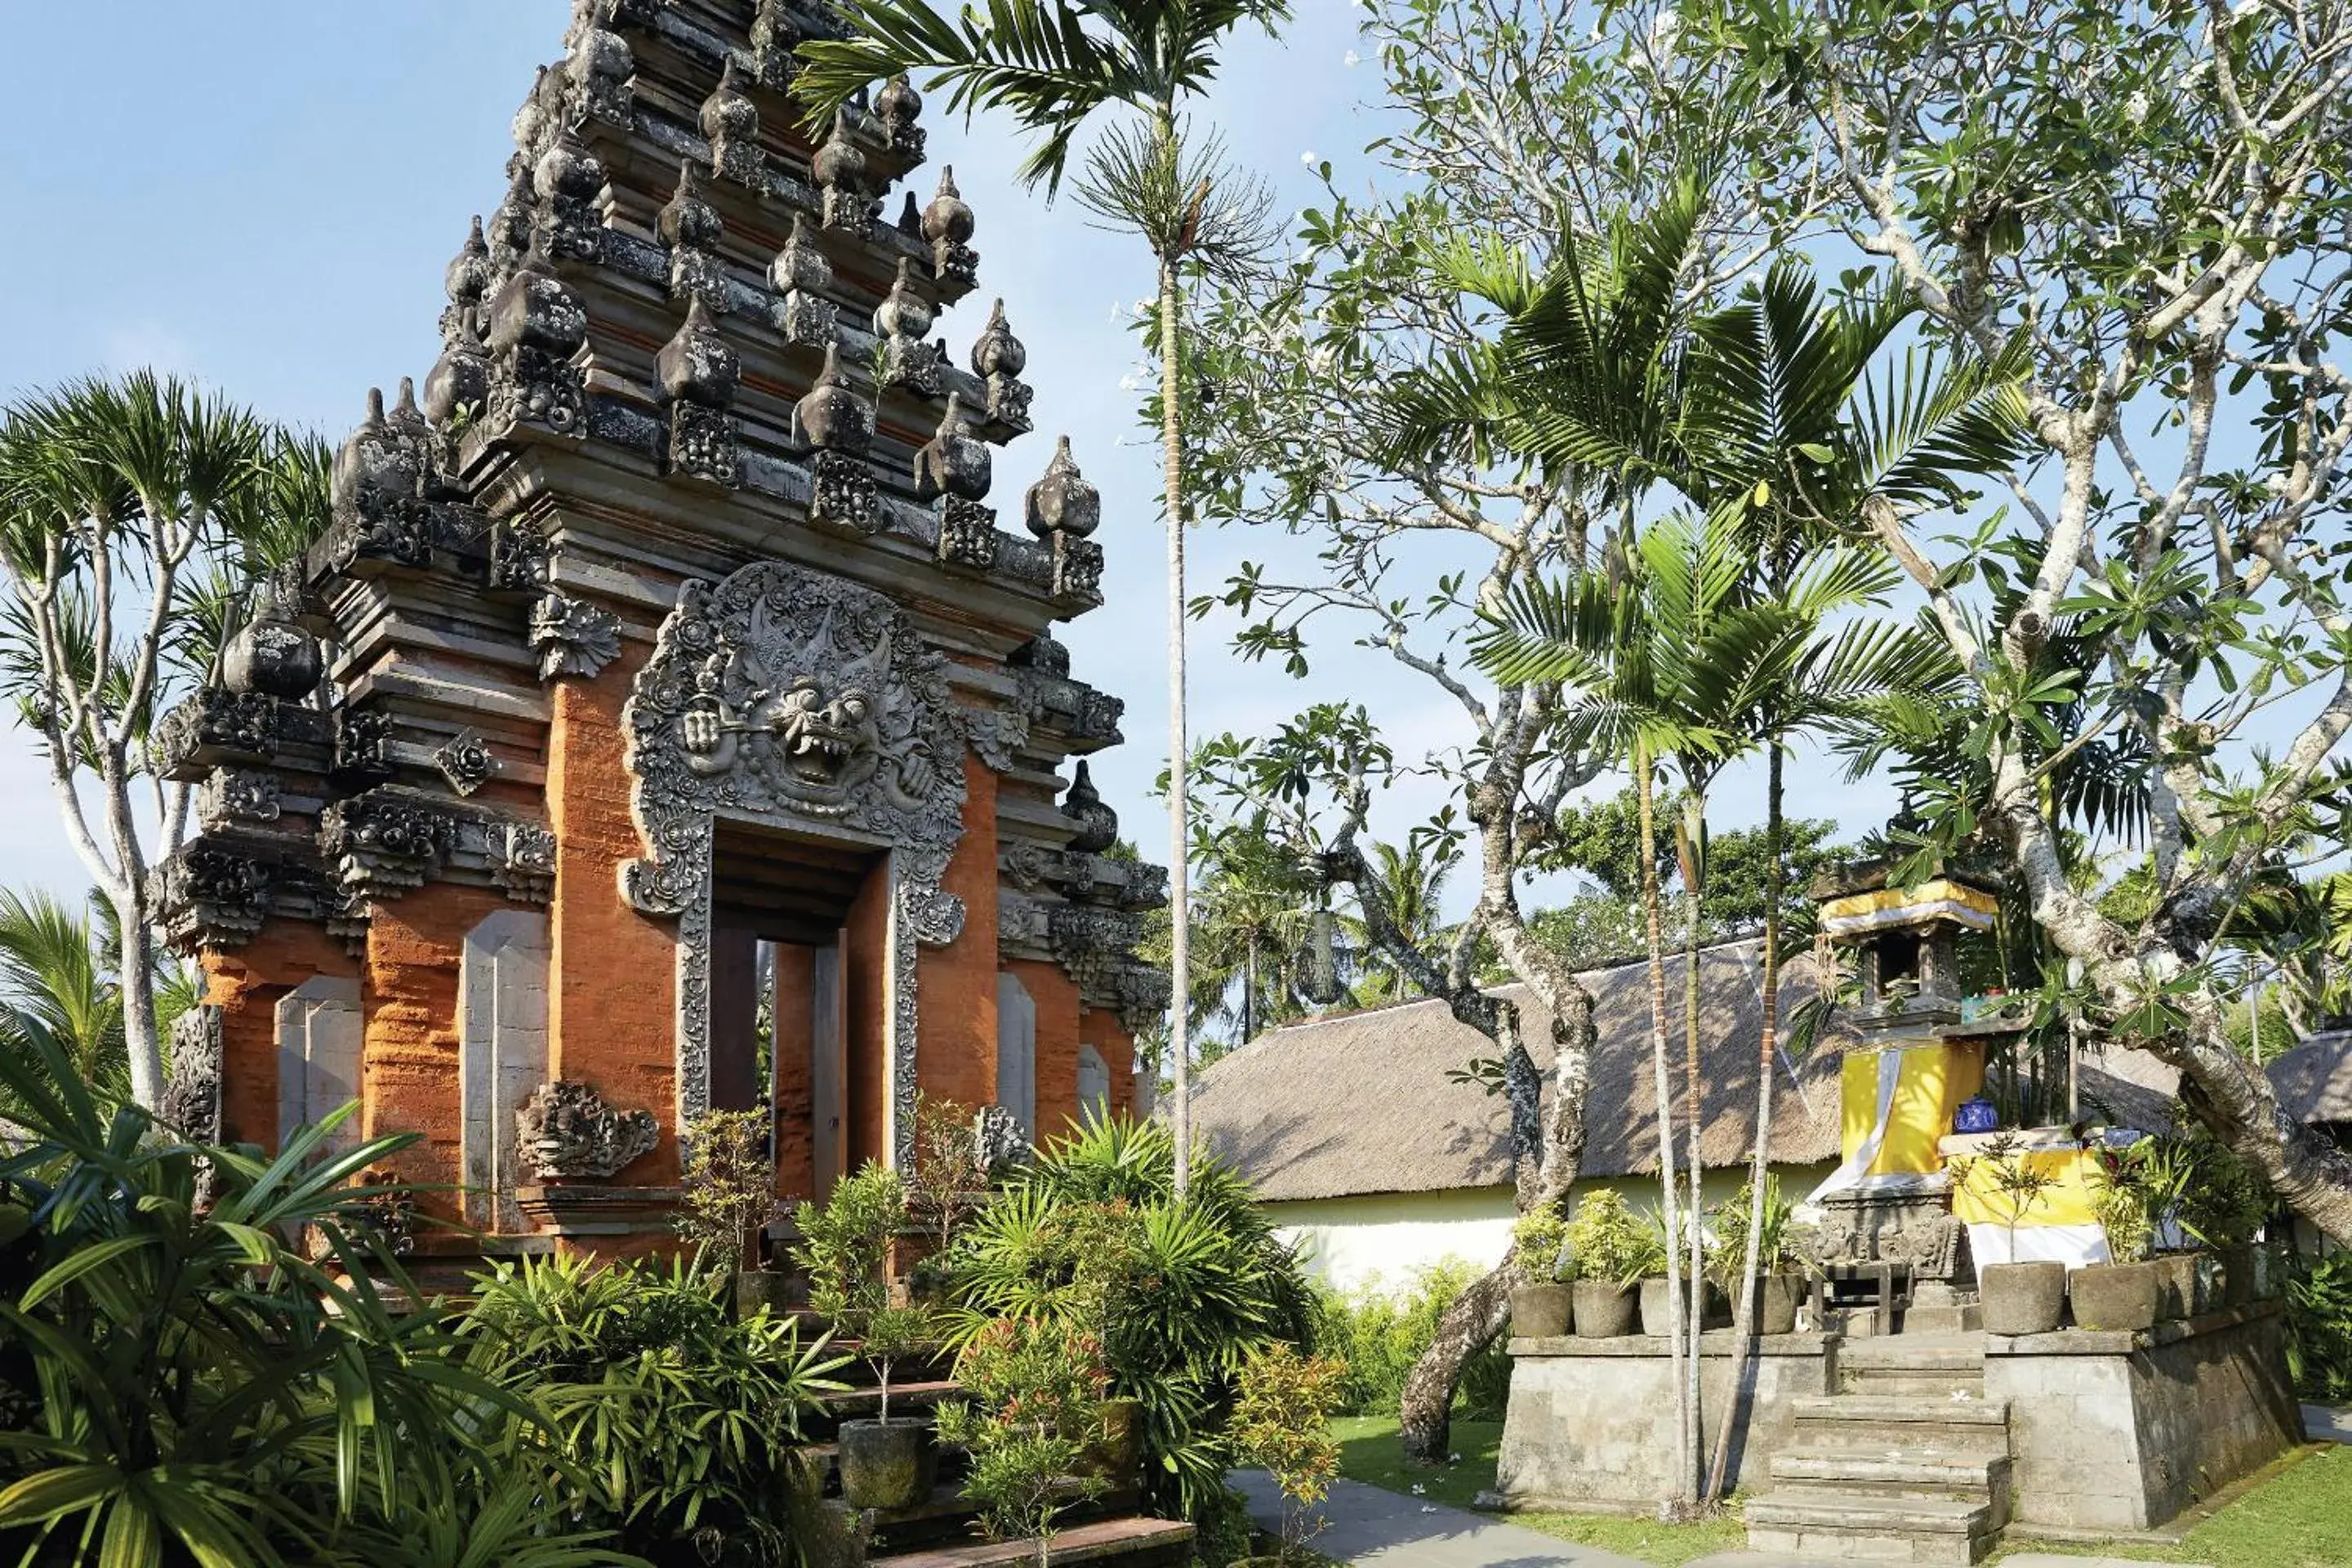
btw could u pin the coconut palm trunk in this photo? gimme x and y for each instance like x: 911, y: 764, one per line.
x: 1690, y: 854
x: 1760, y: 1159
x: 1645, y: 786
x: 1172, y: 455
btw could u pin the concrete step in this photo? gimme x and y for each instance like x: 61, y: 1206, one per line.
x: 1868, y: 1527
x: 1961, y: 1317
x: 1915, y: 1353
x: 1133, y: 1542
x: 1895, y: 1472
x: 1899, y: 1420
x: 1895, y: 1381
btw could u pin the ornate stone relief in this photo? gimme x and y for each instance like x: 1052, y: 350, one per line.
x: 574, y: 637
x: 466, y: 761
x: 565, y: 1133
x: 996, y: 734
x: 206, y: 896
x: 842, y: 492
x: 518, y: 554
x: 363, y: 754
x: 213, y: 723
x: 999, y: 1140
x: 523, y: 861
x: 381, y: 843
x: 230, y: 796
x: 785, y: 697
x: 192, y: 1099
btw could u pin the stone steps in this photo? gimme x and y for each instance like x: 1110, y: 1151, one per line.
x: 1895, y: 1472
x: 1866, y: 1527
x: 1132, y: 1543
x: 1908, y: 1464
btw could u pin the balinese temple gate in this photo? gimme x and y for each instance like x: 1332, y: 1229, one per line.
x: 666, y: 721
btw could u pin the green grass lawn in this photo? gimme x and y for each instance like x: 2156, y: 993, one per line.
x: 1371, y: 1452
x: 2300, y: 1518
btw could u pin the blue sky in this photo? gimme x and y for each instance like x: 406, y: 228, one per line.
x: 264, y: 196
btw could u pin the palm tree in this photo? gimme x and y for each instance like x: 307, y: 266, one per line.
x: 1412, y: 881
x: 1055, y: 67
x: 1253, y: 926
x: 1783, y: 439
x: 55, y: 974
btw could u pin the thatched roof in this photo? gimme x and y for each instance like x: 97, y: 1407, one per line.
x: 1360, y: 1102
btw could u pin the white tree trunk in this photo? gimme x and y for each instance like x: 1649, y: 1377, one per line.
x: 1180, y: 905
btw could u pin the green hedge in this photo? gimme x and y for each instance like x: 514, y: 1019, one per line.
x: 1383, y: 1335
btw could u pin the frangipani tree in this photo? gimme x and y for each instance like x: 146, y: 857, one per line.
x: 136, y: 518
x: 1128, y: 67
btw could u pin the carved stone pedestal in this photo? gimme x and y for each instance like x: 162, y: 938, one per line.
x: 609, y: 1221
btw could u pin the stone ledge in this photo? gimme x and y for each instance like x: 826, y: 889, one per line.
x: 579, y: 1208
x: 1712, y: 1343
x: 2124, y: 1341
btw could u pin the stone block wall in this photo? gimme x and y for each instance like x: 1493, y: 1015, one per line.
x: 2123, y: 1431
x: 1592, y: 1422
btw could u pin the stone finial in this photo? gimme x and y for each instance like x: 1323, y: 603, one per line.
x: 568, y: 180
x: 568, y: 1132
x: 698, y: 374
x: 375, y: 468
x: 774, y: 37
x: 955, y: 462
x: 899, y: 105
x: 510, y: 225
x: 1097, y: 822
x: 539, y: 112
x: 830, y: 417
x: 459, y: 380
x: 840, y: 169
x: 911, y: 216
x: 688, y: 219
x: 696, y: 366
x: 469, y: 279
x: 800, y: 264
x: 997, y: 351
x: 599, y: 67
x: 730, y: 122
x: 1063, y: 502
x: 904, y: 313
x: 948, y: 218
x: 536, y: 326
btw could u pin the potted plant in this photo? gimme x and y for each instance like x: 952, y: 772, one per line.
x: 846, y: 1247
x: 2124, y: 1293
x: 728, y: 1200
x: 1779, y: 1286
x: 2224, y: 1207
x: 1037, y: 1386
x: 1610, y: 1250
x: 1282, y: 1424
x: 946, y: 1184
x: 2162, y: 1172
x: 2017, y: 1297
x: 1543, y: 1303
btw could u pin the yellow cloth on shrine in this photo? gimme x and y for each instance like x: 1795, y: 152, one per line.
x: 1908, y: 1115
x: 2072, y: 1199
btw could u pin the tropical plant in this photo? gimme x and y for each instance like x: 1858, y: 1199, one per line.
x: 1540, y: 1240
x: 1055, y: 67
x: 2319, y: 1327
x: 1036, y: 1387
x: 53, y: 969
x: 2223, y: 1202
x: 137, y: 519
x: 2015, y: 1183
x: 673, y: 1419
x: 1178, y: 1292
x: 1282, y: 1424
x: 1381, y: 1335
x: 947, y: 1180
x: 1252, y: 927
x: 846, y: 1246
x: 1740, y: 1254
x: 1607, y: 1240
x: 188, y: 1384
x: 729, y: 1188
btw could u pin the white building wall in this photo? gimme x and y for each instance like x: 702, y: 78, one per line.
x: 1385, y: 1241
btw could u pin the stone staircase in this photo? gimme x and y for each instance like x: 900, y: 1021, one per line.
x: 1907, y: 1463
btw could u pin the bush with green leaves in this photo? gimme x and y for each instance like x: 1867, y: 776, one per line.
x: 1727, y: 1254
x: 728, y: 1187
x: 1382, y: 1336
x: 1181, y: 1293
x: 1036, y: 1388
x: 846, y: 1247
x: 1541, y: 1238
x: 2319, y: 1327
x: 185, y: 1385
x: 677, y: 1419
x: 1609, y: 1241
x: 1282, y: 1424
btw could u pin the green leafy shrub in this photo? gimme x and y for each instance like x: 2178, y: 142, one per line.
x: 1282, y: 1424
x: 1728, y: 1256
x: 1541, y: 1238
x: 1381, y: 1336
x: 2319, y: 1327
x: 1037, y: 1387
x: 1609, y: 1241
x: 677, y: 1419
x: 1180, y: 1294
x: 728, y: 1187
x: 2223, y: 1202
x: 846, y: 1250
x: 187, y: 1385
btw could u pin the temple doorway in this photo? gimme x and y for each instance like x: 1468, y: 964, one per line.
x: 797, y: 938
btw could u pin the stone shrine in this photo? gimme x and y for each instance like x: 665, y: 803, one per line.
x: 665, y: 723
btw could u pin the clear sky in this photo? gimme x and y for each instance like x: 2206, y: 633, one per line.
x: 264, y: 195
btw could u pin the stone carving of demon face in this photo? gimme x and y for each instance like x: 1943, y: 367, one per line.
x: 821, y: 733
